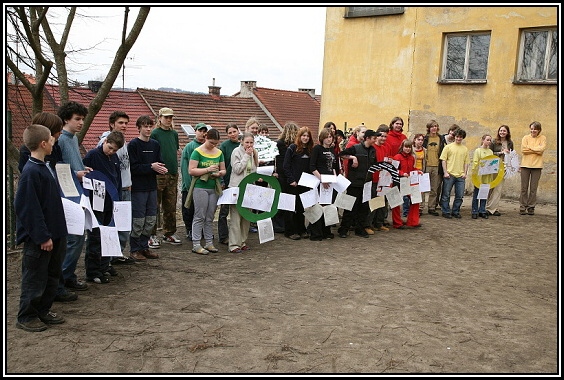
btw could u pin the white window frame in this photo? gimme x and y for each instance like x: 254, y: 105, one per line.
x: 545, y: 59
x: 464, y: 79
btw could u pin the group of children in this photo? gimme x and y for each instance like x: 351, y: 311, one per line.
x: 129, y: 171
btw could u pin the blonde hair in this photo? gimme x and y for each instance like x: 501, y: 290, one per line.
x: 251, y: 121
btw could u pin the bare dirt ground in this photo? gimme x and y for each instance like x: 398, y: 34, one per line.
x: 453, y: 297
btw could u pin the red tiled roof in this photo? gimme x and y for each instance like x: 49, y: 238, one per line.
x: 217, y: 111
x: 19, y: 102
x: 189, y: 108
x: 296, y: 106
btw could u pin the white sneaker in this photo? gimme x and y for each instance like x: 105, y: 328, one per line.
x: 154, y: 242
x: 172, y: 239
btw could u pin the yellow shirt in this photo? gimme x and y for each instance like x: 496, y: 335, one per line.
x: 532, y: 149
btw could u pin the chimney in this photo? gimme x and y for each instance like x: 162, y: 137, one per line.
x: 213, y: 89
x: 247, y: 87
x: 94, y: 85
x: 310, y: 91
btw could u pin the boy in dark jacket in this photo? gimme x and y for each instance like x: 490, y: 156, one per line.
x: 41, y: 226
x: 106, y: 166
x: 360, y: 157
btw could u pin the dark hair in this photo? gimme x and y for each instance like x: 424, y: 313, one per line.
x: 536, y: 125
x: 330, y: 124
x: 453, y: 127
x: 50, y: 120
x: 116, y: 137
x: 338, y: 132
x: 460, y: 132
x: 383, y: 128
x: 263, y: 127
x: 71, y: 108
x: 144, y: 120
x: 498, y: 137
x: 394, y: 120
x: 212, y: 134
x: 231, y: 125
x: 116, y: 115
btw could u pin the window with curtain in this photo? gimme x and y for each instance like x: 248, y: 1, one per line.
x: 466, y: 58
x: 538, y: 56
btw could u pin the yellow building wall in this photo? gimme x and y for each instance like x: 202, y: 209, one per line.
x: 379, y: 67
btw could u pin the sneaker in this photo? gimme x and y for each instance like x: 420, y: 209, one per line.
x: 448, y: 216
x: 383, y: 228
x: 330, y: 236
x: 67, y: 297
x: 99, y: 280
x: 496, y: 213
x: 295, y: 237
x: 224, y: 241
x: 245, y: 248
x: 236, y: 250
x: 523, y: 212
x: 211, y: 248
x: 154, y: 242
x: 35, y: 325
x: 531, y: 211
x: 76, y: 285
x: 172, y: 239
x: 125, y: 260
x: 369, y: 231
x: 433, y: 212
x: 52, y: 318
x: 200, y: 250
x: 457, y: 216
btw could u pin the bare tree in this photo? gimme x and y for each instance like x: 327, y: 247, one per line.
x: 36, y: 31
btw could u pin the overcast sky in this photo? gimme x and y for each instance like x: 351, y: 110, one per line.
x: 186, y: 47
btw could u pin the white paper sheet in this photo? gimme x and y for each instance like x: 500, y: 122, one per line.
x: 258, y: 197
x: 122, y: 215
x: 74, y: 217
x: 341, y: 184
x: 309, y: 198
x: 287, y: 202
x: 110, y: 241
x: 308, y: 180
x: 229, y: 196
x: 265, y: 230
x: 345, y: 201
x: 65, y: 180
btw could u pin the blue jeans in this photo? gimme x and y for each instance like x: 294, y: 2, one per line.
x: 481, y: 208
x: 75, y: 244
x: 41, y: 271
x: 448, y: 184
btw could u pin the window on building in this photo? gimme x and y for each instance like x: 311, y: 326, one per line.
x: 466, y: 58
x: 372, y: 11
x: 538, y: 56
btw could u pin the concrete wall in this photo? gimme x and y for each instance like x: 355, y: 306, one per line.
x: 376, y: 68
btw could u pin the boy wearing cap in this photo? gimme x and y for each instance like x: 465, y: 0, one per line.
x: 188, y: 213
x: 167, y: 184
